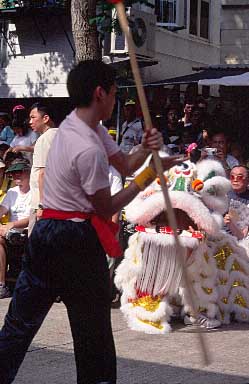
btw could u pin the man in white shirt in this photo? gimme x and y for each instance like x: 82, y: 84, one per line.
x: 132, y: 129
x: 16, y: 203
x: 41, y: 122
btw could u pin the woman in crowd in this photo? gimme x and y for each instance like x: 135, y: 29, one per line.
x: 25, y: 138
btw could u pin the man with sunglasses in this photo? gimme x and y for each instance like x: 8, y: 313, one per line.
x: 237, y: 218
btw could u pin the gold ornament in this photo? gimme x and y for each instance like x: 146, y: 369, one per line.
x: 221, y: 256
x: 224, y: 300
x: 149, y: 303
x: 238, y: 283
x: 156, y: 324
x: 243, y: 316
x: 239, y: 300
x: 208, y: 291
x: 202, y: 310
x: 222, y: 314
x: 237, y: 267
x: 135, y: 258
x: 203, y: 276
x: 206, y: 257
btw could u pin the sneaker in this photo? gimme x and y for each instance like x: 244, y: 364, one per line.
x: 202, y: 321
x: 4, y: 292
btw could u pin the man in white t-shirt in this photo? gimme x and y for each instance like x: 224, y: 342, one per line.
x: 132, y: 129
x: 16, y: 204
x: 41, y: 122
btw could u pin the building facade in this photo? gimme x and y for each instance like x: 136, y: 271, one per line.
x: 187, y: 35
x: 234, y: 32
x: 36, y: 52
x: 36, y: 47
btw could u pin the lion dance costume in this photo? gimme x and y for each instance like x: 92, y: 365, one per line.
x: 150, y: 277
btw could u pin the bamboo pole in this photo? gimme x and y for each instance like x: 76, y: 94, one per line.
x: 158, y: 165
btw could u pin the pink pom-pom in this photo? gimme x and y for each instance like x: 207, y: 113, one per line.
x: 191, y: 147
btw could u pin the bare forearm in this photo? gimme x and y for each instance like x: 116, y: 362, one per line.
x: 41, y: 182
x: 106, y: 205
x: 115, y: 217
x: 3, y: 211
x: 128, y: 164
x: 236, y: 231
x: 136, y: 160
x: 122, y: 198
x: 23, y: 148
x: 23, y: 223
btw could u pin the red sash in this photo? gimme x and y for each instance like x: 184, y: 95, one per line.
x: 106, y: 229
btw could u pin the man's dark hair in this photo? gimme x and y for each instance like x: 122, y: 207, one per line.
x: 4, y: 147
x: 241, y: 166
x: 85, y: 77
x: 201, y: 100
x: 43, y: 109
x: 218, y: 131
x: 190, y: 101
x: 10, y: 156
x: 195, y: 109
x: 173, y: 107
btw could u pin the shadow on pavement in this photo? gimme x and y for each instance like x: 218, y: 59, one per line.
x: 139, y: 372
x: 57, y: 367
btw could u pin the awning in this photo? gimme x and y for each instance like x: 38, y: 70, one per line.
x: 234, y: 76
x: 232, y: 81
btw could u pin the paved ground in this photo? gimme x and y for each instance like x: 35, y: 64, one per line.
x: 142, y: 359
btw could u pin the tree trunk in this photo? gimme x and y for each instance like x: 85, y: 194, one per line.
x: 85, y: 35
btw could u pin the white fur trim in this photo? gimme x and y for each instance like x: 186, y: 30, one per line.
x: 204, y: 167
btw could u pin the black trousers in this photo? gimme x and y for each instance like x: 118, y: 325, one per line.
x: 65, y: 259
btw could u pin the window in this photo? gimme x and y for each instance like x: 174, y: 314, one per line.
x: 171, y: 13
x: 199, y: 18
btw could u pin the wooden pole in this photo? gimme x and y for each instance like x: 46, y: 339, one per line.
x: 158, y: 165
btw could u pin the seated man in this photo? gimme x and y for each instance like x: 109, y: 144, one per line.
x: 17, y: 204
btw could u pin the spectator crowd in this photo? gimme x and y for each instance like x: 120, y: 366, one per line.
x: 25, y: 140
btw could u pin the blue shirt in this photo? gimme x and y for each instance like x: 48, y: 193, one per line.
x: 7, y: 135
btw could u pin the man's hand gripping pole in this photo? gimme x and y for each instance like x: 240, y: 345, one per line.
x: 158, y: 165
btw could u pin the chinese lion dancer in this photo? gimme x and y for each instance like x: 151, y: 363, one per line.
x: 150, y: 277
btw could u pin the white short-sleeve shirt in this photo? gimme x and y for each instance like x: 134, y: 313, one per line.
x: 131, y: 135
x: 40, y: 155
x: 77, y: 165
x: 17, y: 204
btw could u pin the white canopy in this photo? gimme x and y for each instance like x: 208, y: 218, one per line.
x: 236, y: 80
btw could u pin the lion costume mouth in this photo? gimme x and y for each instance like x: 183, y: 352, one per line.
x: 189, y: 209
x: 182, y: 219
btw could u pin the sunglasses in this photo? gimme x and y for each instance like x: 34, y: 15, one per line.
x: 237, y: 177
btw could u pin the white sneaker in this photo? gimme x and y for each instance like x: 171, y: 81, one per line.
x: 202, y: 321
